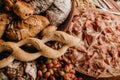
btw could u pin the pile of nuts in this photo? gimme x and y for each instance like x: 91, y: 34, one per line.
x: 60, y: 68
x: 56, y: 69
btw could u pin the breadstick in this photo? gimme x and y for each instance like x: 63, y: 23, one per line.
x: 49, y: 34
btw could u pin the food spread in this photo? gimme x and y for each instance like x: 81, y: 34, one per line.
x: 33, y: 48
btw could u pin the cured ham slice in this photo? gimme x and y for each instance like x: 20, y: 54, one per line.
x: 98, y: 53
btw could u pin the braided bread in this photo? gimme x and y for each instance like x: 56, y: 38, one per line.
x: 55, y: 10
x: 8, y: 4
x: 49, y: 34
x: 23, y: 9
x: 3, y: 22
x: 30, y: 27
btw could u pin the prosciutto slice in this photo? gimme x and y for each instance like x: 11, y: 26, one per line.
x: 98, y: 53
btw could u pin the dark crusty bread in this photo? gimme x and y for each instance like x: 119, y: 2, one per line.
x: 41, y: 5
x: 59, y: 11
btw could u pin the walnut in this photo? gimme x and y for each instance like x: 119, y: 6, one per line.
x: 3, y: 76
x: 22, y: 70
x: 15, y: 69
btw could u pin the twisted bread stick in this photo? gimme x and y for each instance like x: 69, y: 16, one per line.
x: 8, y: 59
x: 49, y: 34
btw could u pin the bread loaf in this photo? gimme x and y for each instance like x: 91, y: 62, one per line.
x: 59, y: 11
x: 41, y: 5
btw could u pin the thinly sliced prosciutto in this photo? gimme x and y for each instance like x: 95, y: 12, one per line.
x: 98, y: 53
